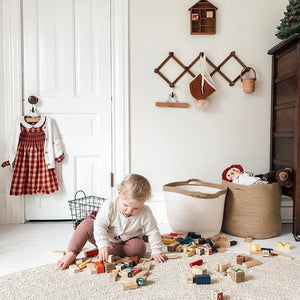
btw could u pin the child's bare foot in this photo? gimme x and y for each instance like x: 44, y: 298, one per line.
x: 65, y: 261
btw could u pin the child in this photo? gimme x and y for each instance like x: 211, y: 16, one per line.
x: 119, y: 226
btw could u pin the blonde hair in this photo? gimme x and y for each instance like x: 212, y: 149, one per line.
x: 135, y: 187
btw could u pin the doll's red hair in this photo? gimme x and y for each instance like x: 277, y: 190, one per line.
x: 227, y: 169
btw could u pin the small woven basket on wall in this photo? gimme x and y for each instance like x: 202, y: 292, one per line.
x: 248, y: 83
x: 252, y: 210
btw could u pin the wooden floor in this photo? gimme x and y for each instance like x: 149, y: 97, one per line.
x: 29, y: 245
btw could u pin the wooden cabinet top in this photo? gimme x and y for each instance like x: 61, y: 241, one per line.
x: 284, y: 44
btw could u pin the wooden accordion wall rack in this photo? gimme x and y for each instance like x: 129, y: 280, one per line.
x: 187, y: 69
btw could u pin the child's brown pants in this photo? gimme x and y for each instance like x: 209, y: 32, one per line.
x: 85, y: 232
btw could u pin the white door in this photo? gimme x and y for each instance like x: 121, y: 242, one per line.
x: 67, y: 66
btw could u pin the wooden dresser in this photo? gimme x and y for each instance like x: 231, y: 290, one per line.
x: 285, y: 117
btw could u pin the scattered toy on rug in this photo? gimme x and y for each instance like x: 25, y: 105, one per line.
x: 236, y: 174
x: 284, y: 177
x: 216, y: 295
x: 133, y: 270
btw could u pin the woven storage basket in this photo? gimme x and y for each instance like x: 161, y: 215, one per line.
x: 252, y: 210
x: 195, y: 205
x: 248, y: 83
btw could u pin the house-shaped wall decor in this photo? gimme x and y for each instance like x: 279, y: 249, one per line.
x: 203, y: 18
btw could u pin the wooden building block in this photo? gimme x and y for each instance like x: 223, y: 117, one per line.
x: 172, y: 247
x: 135, y: 259
x: 167, y: 241
x: 196, y: 263
x: 256, y: 252
x: 141, y: 281
x: 254, y: 247
x: 110, y: 258
x: 240, y: 259
x: 120, y: 266
x: 189, y: 254
x: 99, y: 267
x: 129, y: 285
x: 222, y: 244
x: 83, y: 265
x: 141, y: 274
x: 251, y: 263
x: 224, y: 267
x: 80, y: 261
x: 237, y: 275
x: 113, y: 275
x: 208, y: 251
x: 91, y: 253
x: 198, y: 270
x: 58, y: 253
x: 91, y: 268
x: 248, y: 239
x: 146, y: 265
x: 109, y: 267
x: 178, y: 248
x: 203, y: 279
x: 171, y: 255
x: 216, y: 295
x: 189, y: 277
x: 74, y: 269
x: 200, y: 251
x: 126, y: 273
x: 221, y: 250
x: 286, y: 246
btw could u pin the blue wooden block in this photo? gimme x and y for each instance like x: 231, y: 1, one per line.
x: 233, y: 243
x: 269, y: 249
x: 208, y: 241
x: 188, y: 240
x: 203, y: 279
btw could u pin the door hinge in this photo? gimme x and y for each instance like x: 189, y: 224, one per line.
x: 112, y: 180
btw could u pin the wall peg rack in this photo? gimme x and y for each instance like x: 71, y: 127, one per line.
x: 187, y: 69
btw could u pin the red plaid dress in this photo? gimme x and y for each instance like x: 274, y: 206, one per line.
x: 31, y: 175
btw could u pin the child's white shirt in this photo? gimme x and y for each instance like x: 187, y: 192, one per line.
x: 111, y: 225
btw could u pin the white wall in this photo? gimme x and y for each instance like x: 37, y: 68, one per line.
x: 170, y: 144
x: 2, y: 177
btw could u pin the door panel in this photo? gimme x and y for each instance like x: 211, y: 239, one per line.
x: 67, y: 66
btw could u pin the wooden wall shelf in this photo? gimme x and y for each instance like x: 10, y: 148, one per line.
x: 203, y: 18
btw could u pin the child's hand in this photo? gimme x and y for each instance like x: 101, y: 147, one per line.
x: 103, y: 253
x: 159, y: 257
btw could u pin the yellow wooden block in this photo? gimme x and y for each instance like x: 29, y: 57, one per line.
x: 254, y: 247
x: 81, y: 266
x: 286, y: 246
x: 167, y: 241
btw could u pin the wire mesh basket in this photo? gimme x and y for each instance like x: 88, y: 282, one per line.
x: 85, y: 207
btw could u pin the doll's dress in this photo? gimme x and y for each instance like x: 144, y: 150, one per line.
x: 31, y: 175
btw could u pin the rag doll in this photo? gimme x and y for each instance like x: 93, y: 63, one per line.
x: 236, y: 174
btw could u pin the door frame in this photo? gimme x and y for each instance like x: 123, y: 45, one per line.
x: 13, y: 90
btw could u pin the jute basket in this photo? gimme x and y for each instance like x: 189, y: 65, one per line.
x: 252, y: 210
x: 248, y: 83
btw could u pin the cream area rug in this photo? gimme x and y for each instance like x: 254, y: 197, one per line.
x: 276, y: 278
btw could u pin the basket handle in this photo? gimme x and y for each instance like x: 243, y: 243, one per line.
x: 193, y: 180
x: 247, y: 70
x: 175, y: 187
x: 79, y: 192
